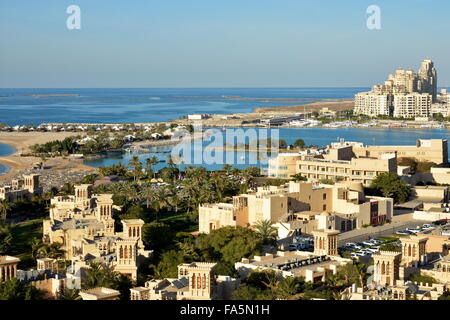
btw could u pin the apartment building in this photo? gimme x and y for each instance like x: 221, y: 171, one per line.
x: 404, y: 94
x: 267, y: 203
x: 412, y: 105
x: 373, y: 104
x: 432, y: 150
x: 340, y: 164
x: 363, y: 169
x: 299, y: 206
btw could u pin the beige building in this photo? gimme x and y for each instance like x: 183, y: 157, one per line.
x: 84, y: 226
x: 431, y: 150
x: 412, y: 105
x: 100, y: 294
x: 339, y: 163
x: 24, y: 188
x: 404, y: 94
x: 8, y: 267
x: 299, y: 206
x: 196, y: 281
x: 373, y: 104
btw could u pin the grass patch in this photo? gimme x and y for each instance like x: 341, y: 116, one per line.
x: 22, y: 234
x: 179, y: 222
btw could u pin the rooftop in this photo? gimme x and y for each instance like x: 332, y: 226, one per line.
x: 8, y: 259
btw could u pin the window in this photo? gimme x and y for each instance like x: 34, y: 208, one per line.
x: 324, y: 207
x: 324, y: 196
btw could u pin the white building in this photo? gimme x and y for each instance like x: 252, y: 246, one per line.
x: 412, y: 105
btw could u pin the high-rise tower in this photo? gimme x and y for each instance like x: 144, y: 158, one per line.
x: 428, y: 79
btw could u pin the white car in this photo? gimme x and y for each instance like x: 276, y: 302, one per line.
x: 354, y: 256
x: 403, y: 232
x: 368, y: 243
x: 414, y: 230
x: 373, y: 249
x: 361, y: 253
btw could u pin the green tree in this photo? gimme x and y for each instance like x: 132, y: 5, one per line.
x: 69, y: 294
x: 168, y: 265
x: 391, y: 247
x: 423, y: 278
x: 299, y: 143
x: 134, y: 212
x: 16, y: 290
x: 298, y: 177
x: 6, y: 239
x: 149, y: 163
x: 5, y: 207
x: 157, y: 235
x: 389, y: 185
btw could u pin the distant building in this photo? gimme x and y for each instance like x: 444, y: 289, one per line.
x: 198, y: 116
x: 405, y: 94
x: 24, y: 188
x: 339, y: 162
x: 8, y: 268
x: 373, y: 104
x: 100, y: 294
x: 432, y: 150
x: 412, y: 105
x: 196, y: 281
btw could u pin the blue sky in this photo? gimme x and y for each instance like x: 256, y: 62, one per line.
x: 218, y: 43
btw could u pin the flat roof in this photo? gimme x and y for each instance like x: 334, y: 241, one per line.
x: 8, y: 259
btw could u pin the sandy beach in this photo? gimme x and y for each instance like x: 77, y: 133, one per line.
x: 21, y: 142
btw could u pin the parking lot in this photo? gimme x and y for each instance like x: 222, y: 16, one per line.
x: 386, y: 233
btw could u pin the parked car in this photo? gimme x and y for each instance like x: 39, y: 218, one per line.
x: 368, y: 243
x: 373, y: 249
x: 403, y: 232
x: 291, y: 247
x: 440, y: 222
x: 354, y: 255
x: 414, y: 230
x: 361, y: 253
x: 428, y: 227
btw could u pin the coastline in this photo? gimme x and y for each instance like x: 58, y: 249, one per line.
x: 21, y: 141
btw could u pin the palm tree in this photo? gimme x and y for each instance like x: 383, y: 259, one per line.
x: 136, y: 165
x: 131, y: 191
x: 266, y: 231
x: 69, y: 294
x: 170, y: 161
x: 149, y: 163
x: 4, y: 209
x: 147, y: 193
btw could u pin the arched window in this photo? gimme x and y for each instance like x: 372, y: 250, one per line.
x: 193, y: 281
